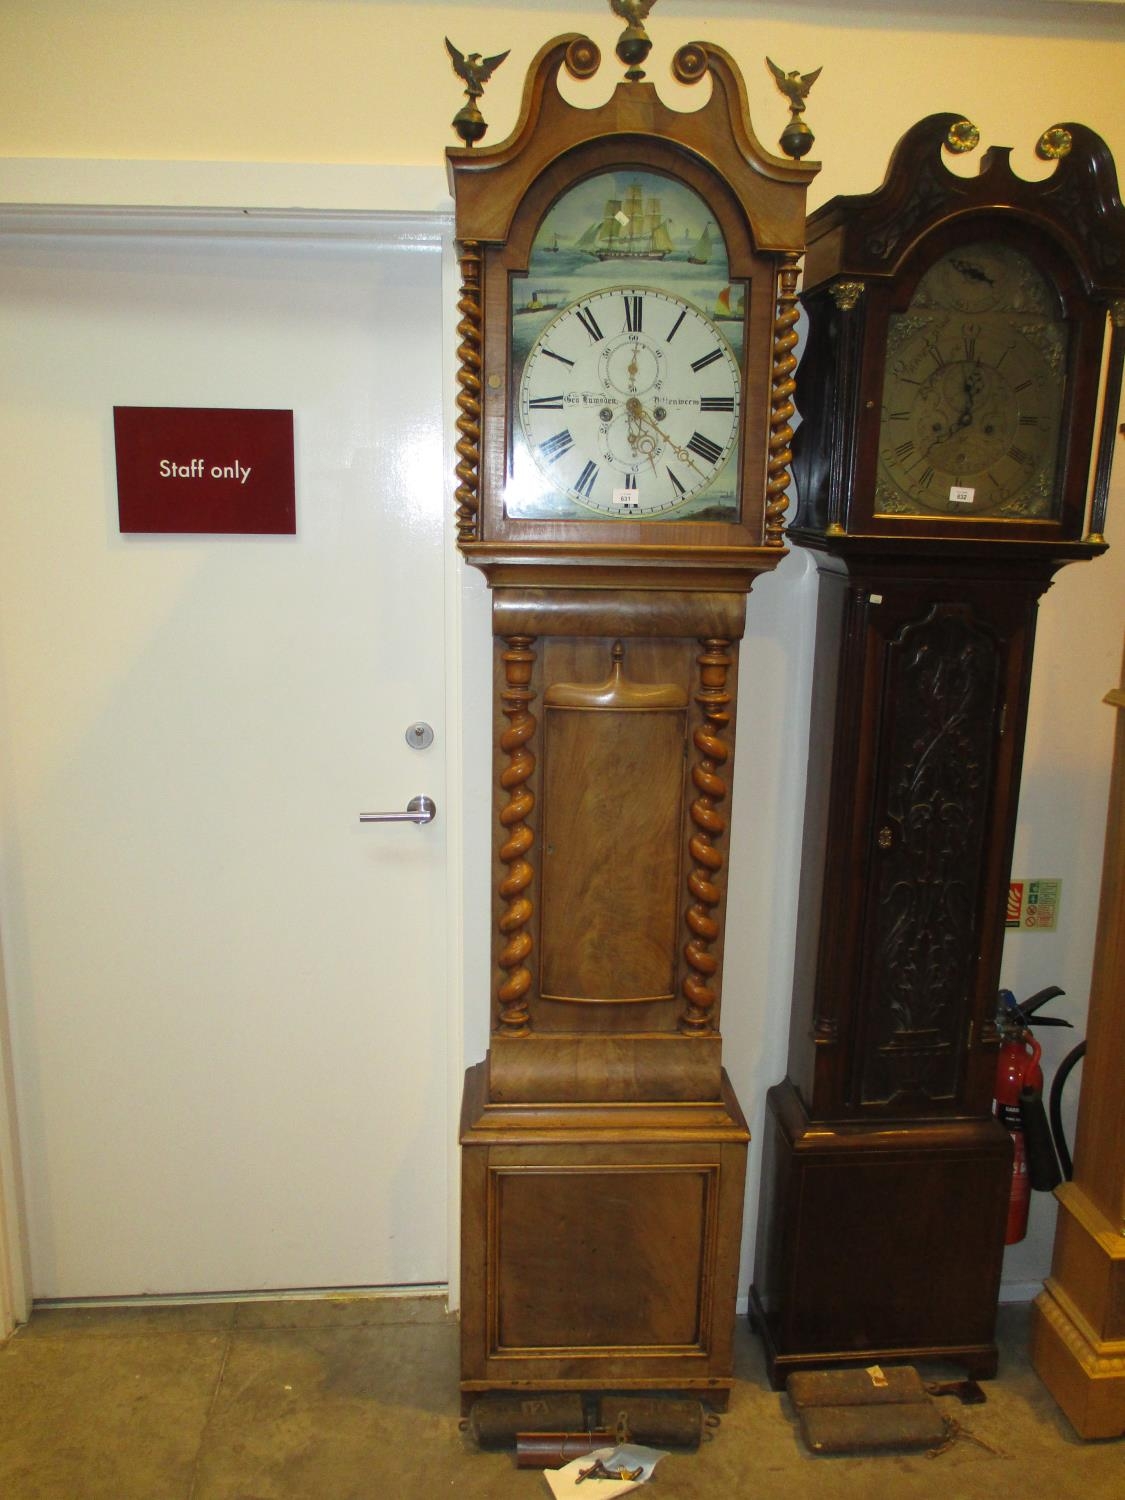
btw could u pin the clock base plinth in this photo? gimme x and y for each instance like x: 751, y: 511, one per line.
x: 600, y: 1243
x: 877, y: 1242
x: 1078, y: 1320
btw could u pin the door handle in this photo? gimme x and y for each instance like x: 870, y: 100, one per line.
x: 418, y: 810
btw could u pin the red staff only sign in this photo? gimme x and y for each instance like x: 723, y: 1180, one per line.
x: 204, y: 469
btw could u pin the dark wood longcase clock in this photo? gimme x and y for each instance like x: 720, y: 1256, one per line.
x: 627, y: 309
x: 957, y: 342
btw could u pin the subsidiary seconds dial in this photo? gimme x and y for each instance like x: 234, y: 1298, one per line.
x: 629, y: 402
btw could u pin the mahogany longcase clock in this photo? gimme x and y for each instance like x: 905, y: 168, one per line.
x: 949, y: 391
x: 627, y: 307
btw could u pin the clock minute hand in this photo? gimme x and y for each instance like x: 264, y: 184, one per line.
x: 973, y: 385
x: 970, y: 388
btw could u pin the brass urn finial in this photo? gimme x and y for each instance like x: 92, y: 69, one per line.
x: 962, y: 136
x: 1054, y: 144
x: 634, y: 44
x: 796, y: 139
x: 476, y: 70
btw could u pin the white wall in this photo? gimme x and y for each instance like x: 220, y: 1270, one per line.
x: 346, y: 103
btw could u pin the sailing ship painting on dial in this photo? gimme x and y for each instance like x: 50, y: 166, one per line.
x: 627, y: 343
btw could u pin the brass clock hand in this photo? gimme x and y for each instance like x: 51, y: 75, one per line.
x: 963, y: 420
x: 634, y: 405
x: 972, y: 383
x: 639, y: 441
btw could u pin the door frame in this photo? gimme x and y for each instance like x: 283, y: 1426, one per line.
x: 15, y: 1304
x: 377, y: 228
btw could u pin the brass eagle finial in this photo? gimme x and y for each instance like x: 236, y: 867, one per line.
x: 633, y: 11
x: 476, y: 70
x: 795, y: 85
x: 796, y: 138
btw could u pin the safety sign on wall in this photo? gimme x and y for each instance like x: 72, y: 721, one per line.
x: 1033, y: 905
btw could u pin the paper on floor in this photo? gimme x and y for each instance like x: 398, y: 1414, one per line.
x: 564, y: 1482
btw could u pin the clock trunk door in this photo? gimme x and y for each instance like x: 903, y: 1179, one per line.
x: 940, y: 679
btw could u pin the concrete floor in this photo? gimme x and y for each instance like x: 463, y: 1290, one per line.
x: 356, y: 1399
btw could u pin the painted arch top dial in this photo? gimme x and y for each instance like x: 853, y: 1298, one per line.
x: 629, y: 404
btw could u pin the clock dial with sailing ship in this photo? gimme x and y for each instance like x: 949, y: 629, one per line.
x: 627, y: 349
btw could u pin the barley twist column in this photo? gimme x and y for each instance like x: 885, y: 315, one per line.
x: 781, y: 401
x: 713, y: 698
x: 517, y: 693
x: 467, y: 493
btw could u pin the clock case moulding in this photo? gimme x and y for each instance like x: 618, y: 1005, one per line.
x: 866, y: 254
x: 503, y: 192
x: 604, y: 1151
x: 885, y: 1176
x: 671, y: 592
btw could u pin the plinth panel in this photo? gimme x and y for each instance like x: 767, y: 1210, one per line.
x: 601, y: 1256
x: 1078, y: 1321
x: 600, y: 1243
x: 877, y: 1244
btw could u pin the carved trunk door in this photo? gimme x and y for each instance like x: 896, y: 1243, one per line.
x: 939, y: 721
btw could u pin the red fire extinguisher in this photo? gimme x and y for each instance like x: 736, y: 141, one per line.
x: 1019, y: 1106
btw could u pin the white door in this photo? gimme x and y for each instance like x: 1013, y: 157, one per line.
x: 228, y: 998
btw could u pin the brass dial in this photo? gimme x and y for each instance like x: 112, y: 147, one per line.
x: 973, y: 392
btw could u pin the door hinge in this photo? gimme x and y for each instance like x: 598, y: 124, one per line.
x: 1003, y: 719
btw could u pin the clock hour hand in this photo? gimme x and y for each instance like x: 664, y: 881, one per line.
x: 634, y: 408
x: 951, y: 430
x: 971, y: 386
